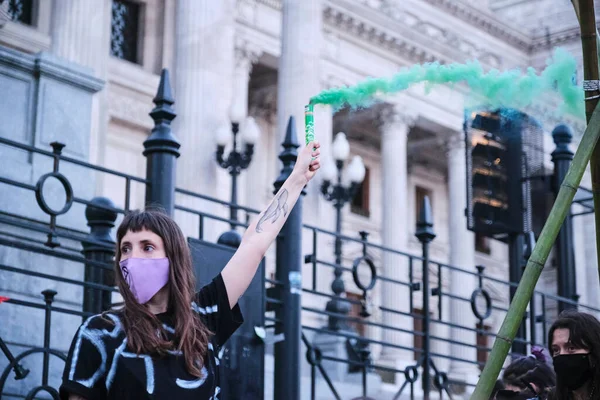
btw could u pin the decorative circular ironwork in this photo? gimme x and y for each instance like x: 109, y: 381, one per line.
x: 372, y: 268
x: 488, y: 303
x: 49, y: 389
x: 39, y: 193
x: 314, y: 356
x: 411, y: 373
x: 24, y: 354
x: 440, y: 380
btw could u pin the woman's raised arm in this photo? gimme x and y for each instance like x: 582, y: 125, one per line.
x: 240, y: 270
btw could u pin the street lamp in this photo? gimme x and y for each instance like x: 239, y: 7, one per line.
x: 340, y: 193
x: 235, y: 162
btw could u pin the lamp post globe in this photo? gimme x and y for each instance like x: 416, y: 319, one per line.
x: 250, y: 131
x: 340, y: 147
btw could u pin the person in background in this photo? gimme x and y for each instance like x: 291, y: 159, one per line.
x: 529, y: 377
x: 574, y: 340
x: 497, y: 387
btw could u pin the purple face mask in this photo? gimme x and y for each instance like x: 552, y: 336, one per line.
x: 145, y: 276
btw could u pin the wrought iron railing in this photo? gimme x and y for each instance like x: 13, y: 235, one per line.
x: 376, y: 326
x: 23, y: 238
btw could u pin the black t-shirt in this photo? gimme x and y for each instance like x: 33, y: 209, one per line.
x: 100, y: 364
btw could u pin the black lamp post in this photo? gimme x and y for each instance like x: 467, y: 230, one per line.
x: 562, y: 157
x: 340, y: 194
x: 235, y: 162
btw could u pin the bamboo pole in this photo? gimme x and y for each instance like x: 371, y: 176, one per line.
x: 586, y: 151
x: 538, y: 258
x: 587, y: 22
x: 577, y: 13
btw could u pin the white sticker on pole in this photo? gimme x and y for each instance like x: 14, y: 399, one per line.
x: 295, y: 278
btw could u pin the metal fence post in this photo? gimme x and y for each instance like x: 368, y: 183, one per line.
x: 48, y: 299
x: 425, y: 235
x: 288, y: 272
x: 516, y: 251
x: 161, y: 150
x: 99, y: 248
x: 529, y: 245
x: 562, y: 157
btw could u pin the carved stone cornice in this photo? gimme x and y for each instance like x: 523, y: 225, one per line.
x: 485, y: 22
x: 336, y: 14
x: 467, y: 13
x: 374, y: 34
x: 556, y: 39
x: 434, y: 43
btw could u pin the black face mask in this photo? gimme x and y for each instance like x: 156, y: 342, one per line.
x: 573, y: 370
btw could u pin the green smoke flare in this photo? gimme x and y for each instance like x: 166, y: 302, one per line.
x: 499, y: 89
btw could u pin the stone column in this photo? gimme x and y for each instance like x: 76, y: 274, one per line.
x: 246, y: 55
x: 299, y: 79
x: 81, y: 34
x: 396, y: 125
x: 462, y: 255
x: 204, y: 58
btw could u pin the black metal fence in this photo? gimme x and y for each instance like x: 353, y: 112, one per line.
x: 457, y: 331
x: 408, y: 326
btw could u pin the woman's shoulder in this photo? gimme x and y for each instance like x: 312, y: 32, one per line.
x: 109, y: 322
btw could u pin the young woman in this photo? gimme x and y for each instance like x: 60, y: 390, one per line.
x: 575, y: 346
x: 527, y: 378
x: 164, y: 343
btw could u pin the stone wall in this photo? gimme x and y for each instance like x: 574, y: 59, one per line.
x: 44, y: 99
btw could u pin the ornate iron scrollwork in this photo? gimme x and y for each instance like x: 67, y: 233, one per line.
x: 365, y: 258
x: 57, y: 148
x: 486, y: 296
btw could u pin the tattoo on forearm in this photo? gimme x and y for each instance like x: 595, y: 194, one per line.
x: 277, y: 207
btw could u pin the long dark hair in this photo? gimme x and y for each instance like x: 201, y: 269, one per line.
x: 584, y: 333
x: 192, y: 336
x: 532, y: 369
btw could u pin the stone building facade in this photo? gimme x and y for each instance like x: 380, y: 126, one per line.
x: 265, y: 59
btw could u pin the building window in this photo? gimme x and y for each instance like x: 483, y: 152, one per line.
x: 355, y: 309
x: 21, y: 11
x: 420, y: 194
x: 360, y: 202
x: 418, y: 337
x: 482, y: 243
x: 482, y: 344
x: 124, y: 38
x: 417, y: 327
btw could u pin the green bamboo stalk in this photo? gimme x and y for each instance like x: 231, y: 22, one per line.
x: 538, y: 258
x: 577, y: 12
x: 587, y: 23
x: 587, y: 151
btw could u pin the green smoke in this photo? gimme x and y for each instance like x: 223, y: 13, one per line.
x: 498, y: 89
